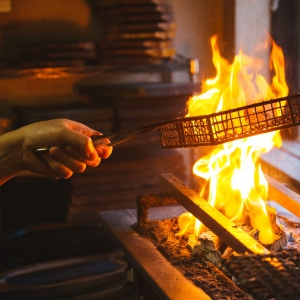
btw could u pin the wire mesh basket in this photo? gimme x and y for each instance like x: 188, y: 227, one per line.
x: 232, y: 124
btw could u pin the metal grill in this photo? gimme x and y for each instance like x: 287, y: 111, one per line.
x: 232, y: 124
x: 272, y: 276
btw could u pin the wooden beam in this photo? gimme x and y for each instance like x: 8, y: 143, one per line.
x: 165, y: 280
x: 225, y: 229
x: 283, y: 196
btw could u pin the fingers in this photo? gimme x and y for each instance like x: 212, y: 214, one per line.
x: 82, y: 142
x: 60, y: 162
x: 94, y: 160
x: 63, y: 164
x: 66, y: 161
x: 89, y: 150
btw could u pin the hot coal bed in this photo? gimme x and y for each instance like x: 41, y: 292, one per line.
x: 164, y: 266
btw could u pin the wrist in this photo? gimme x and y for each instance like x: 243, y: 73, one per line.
x: 10, y: 155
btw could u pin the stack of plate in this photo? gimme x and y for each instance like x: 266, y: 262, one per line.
x: 136, y: 31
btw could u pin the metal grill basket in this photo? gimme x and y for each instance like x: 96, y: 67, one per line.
x: 232, y: 124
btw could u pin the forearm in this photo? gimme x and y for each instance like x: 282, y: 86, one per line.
x: 10, y: 156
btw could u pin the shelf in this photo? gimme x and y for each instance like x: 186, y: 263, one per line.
x: 179, y: 63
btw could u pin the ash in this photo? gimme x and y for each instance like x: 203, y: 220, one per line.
x: 213, y: 281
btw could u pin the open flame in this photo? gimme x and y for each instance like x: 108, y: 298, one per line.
x: 234, y: 181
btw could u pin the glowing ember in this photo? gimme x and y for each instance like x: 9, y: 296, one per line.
x: 235, y: 184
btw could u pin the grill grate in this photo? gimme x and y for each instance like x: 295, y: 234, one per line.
x: 232, y: 124
x: 270, y: 276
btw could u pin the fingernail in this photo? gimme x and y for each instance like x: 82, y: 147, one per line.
x: 96, y: 163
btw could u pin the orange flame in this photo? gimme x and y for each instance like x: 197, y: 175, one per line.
x: 232, y: 172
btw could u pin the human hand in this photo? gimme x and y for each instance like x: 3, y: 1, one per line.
x: 72, y: 148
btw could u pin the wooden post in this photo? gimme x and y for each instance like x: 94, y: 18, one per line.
x: 284, y: 196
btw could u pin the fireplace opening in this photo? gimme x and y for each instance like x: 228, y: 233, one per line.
x: 163, y: 262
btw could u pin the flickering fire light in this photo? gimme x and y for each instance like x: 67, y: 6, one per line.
x: 234, y: 181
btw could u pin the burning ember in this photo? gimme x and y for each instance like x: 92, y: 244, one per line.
x: 234, y: 181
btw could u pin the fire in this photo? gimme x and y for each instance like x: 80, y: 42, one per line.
x: 234, y: 181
